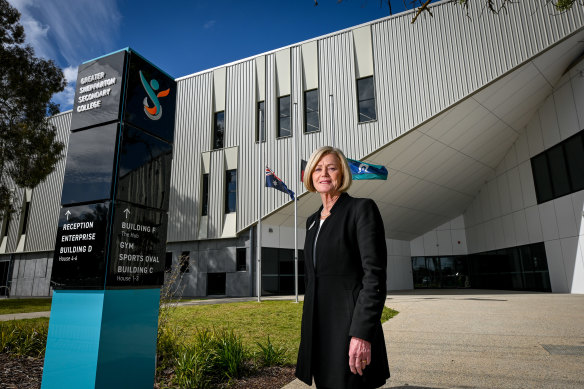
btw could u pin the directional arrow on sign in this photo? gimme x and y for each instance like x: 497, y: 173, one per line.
x: 127, y: 212
x: 67, y: 214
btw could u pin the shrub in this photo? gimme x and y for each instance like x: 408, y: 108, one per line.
x: 23, y: 338
x: 269, y: 355
x: 214, y: 356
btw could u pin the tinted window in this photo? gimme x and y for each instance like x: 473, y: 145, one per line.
x: 205, y: 197
x: 559, y: 171
x: 311, y: 120
x: 25, y: 218
x: 241, y: 264
x: 575, y: 158
x: 168, y: 261
x: 366, y: 99
x: 184, y: 260
x: 219, y: 130
x: 284, y: 121
x: 261, y: 120
x: 541, y: 178
x: 230, y: 190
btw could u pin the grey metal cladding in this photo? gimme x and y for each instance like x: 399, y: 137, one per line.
x: 46, y: 197
x: 193, y: 126
x: 419, y: 71
x: 216, y: 194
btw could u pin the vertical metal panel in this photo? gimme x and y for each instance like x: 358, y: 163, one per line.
x: 46, y: 198
x: 192, y: 136
x: 216, y: 194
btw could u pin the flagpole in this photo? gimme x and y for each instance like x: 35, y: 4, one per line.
x: 260, y: 189
x: 295, y: 162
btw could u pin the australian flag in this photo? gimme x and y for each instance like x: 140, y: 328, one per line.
x: 273, y: 181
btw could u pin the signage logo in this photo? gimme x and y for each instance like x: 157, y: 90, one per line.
x: 153, y: 113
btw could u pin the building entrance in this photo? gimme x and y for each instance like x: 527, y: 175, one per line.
x: 514, y: 268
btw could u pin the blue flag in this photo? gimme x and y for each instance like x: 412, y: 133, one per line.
x: 274, y: 182
x: 366, y: 171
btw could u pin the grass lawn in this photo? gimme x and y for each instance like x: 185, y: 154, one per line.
x: 24, y: 305
x: 252, y: 321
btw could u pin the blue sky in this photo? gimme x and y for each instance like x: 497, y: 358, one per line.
x: 181, y: 37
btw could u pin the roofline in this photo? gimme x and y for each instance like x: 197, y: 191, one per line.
x: 310, y: 40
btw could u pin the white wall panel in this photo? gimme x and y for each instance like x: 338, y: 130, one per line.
x: 532, y: 219
x: 534, y: 137
x: 547, y: 216
x: 549, y: 123
x: 578, y: 283
x: 555, y: 259
x: 565, y: 217
x: 566, y: 111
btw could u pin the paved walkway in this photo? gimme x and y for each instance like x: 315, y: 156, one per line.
x: 484, y: 339
x: 475, y: 339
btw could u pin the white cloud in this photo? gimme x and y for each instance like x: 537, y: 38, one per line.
x: 209, y: 24
x: 77, y: 30
x: 69, y: 32
x: 65, y: 98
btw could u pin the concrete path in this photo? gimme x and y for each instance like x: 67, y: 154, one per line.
x: 484, y: 339
x: 30, y: 315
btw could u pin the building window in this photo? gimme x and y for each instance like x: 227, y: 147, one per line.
x: 25, y: 218
x: 558, y: 170
x: 261, y: 122
x: 219, y: 130
x: 5, y: 224
x: 284, y: 121
x: 311, y: 120
x: 241, y: 263
x: 366, y: 99
x: 184, y: 261
x: 168, y: 262
x: 216, y: 284
x: 230, y: 190
x: 205, y: 197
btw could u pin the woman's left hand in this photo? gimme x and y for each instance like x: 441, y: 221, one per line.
x: 359, y: 355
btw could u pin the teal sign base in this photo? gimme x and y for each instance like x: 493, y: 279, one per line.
x: 102, y: 339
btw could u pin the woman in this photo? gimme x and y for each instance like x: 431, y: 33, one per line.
x: 342, y: 343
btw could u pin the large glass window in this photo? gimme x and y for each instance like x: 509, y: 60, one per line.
x: 558, y: 170
x: 575, y: 157
x: 514, y: 268
x: 278, y: 271
x: 261, y: 121
x: 205, y: 197
x: 284, y: 121
x: 230, y: 190
x: 366, y: 99
x: 219, y: 130
x: 311, y: 119
x: 541, y: 178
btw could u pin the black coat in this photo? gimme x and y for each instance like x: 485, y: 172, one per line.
x: 344, y: 295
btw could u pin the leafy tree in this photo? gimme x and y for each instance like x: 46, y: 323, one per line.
x: 494, y: 6
x: 29, y: 149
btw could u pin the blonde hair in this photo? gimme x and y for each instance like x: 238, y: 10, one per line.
x: 316, y: 157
